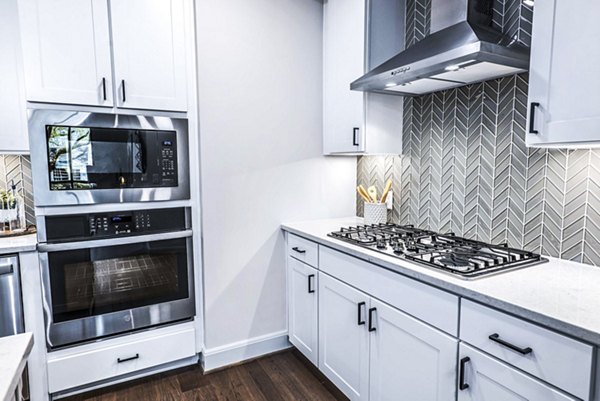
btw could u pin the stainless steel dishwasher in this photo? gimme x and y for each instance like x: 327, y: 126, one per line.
x: 11, y: 306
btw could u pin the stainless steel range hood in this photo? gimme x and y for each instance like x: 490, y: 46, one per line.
x: 463, y: 48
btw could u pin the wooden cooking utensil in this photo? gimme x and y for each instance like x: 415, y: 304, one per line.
x: 373, y: 193
x: 362, y: 195
x: 386, y: 190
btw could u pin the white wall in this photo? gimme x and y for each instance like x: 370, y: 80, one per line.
x: 260, y: 90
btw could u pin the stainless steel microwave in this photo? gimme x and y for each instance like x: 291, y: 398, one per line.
x: 89, y: 158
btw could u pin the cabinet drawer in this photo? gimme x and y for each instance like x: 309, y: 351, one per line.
x: 559, y: 360
x: 73, y: 368
x: 429, y: 304
x: 303, y: 250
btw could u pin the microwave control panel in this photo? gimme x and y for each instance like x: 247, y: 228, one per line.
x: 114, y: 224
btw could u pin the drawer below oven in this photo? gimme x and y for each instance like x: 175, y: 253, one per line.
x: 90, y: 363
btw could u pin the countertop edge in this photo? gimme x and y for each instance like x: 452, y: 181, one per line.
x: 549, y: 322
x: 7, y: 393
x: 19, y: 244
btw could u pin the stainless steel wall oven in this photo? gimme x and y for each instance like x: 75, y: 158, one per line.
x: 110, y: 273
x: 90, y: 158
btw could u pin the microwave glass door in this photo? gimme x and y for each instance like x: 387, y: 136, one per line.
x: 84, y: 158
x: 96, y: 281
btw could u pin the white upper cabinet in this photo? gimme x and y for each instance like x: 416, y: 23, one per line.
x: 66, y: 49
x: 13, y: 118
x: 343, y: 62
x: 150, y: 54
x: 563, y: 78
x: 354, y: 122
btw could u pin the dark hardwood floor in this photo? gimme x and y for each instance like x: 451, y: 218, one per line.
x: 285, y: 376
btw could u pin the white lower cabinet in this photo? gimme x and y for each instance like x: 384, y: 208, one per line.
x: 372, y: 351
x: 483, y: 378
x: 344, y: 337
x: 303, y: 312
x: 410, y: 360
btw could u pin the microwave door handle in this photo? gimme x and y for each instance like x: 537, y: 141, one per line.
x: 69, y: 246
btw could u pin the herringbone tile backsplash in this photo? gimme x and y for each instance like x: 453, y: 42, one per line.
x: 465, y: 167
x: 17, y: 169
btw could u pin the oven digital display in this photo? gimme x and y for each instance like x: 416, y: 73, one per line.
x: 168, y: 143
x: 121, y: 219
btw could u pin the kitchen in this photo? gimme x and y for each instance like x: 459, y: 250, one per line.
x: 181, y: 220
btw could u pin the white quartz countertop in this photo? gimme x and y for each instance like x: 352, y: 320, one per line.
x: 23, y: 243
x: 14, y: 351
x: 561, y: 295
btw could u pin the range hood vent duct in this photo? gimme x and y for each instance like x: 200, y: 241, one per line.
x: 463, y: 48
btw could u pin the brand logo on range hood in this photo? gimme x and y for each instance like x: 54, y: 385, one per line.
x: 400, y: 70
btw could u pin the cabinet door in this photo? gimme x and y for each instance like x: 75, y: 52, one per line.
x: 491, y: 380
x: 149, y: 44
x: 13, y: 130
x: 409, y: 359
x: 343, y: 62
x: 302, y: 299
x: 344, y: 337
x: 66, y: 50
x: 564, y: 73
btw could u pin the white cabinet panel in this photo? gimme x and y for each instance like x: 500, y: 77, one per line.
x: 303, y: 308
x: 490, y: 380
x: 13, y: 118
x: 529, y: 347
x: 149, y: 54
x: 563, y: 77
x: 343, y: 62
x: 66, y: 50
x: 343, y: 337
x: 409, y: 359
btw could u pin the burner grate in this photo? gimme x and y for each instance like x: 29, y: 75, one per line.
x: 446, y: 252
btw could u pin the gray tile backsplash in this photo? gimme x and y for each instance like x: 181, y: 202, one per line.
x: 17, y: 169
x: 465, y: 167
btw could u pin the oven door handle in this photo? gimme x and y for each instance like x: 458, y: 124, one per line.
x: 69, y: 246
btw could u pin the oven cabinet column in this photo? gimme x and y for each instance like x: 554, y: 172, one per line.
x: 372, y: 351
x: 302, y: 315
x: 483, y: 378
x: 67, y: 52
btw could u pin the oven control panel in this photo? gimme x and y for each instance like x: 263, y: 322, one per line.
x: 113, y: 224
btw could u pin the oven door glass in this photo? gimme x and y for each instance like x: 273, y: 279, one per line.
x: 84, y: 158
x: 96, y: 281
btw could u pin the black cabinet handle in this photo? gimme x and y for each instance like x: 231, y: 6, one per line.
x: 310, y: 284
x: 461, y: 380
x: 296, y: 249
x: 532, y: 129
x: 123, y: 90
x: 137, y: 356
x: 104, y: 88
x: 371, y: 319
x: 361, y: 320
x: 355, y: 136
x: 523, y: 351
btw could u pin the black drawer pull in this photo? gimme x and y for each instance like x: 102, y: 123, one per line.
x: 523, y: 351
x: 355, y: 136
x: 532, y: 129
x: 123, y: 90
x: 298, y: 250
x: 372, y: 320
x: 104, y: 88
x: 310, y: 284
x: 461, y: 380
x: 119, y: 360
x: 361, y: 319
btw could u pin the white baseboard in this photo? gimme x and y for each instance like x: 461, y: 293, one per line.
x: 230, y: 354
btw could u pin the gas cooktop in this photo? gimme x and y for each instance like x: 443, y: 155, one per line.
x: 465, y: 258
